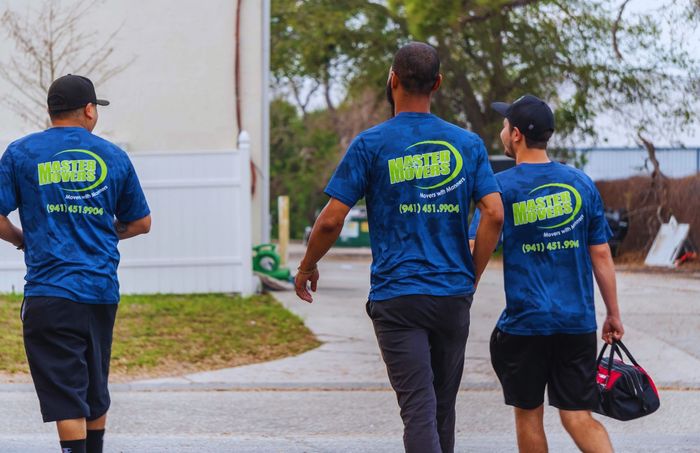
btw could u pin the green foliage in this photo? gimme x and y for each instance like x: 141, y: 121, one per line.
x: 303, y: 154
x: 577, y: 53
x: 560, y: 51
x: 330, y: 43
x: 586, y: 57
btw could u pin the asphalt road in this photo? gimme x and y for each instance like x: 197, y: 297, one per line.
x: 335, y: 398
x: 322, y: 421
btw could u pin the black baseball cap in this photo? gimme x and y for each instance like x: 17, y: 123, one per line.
x: 530, y: 114
x: 72, y: 92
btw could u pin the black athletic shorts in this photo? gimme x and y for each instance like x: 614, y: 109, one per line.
x: 565, y: 364
x: 68, y: 347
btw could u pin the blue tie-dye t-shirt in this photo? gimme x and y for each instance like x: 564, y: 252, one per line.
x: 418, y: 175
x: 553, y: 213
x: 69, y: 185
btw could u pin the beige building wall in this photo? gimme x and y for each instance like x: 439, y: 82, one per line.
x: 178, y: 93
x: 254, y: 105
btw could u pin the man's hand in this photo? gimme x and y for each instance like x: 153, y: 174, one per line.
x: 326, y: 230
x: 300, y: 284
x: 612, y: 329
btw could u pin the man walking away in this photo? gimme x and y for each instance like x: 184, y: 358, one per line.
x: 418, y: 175
x: 554, y: 238
x: 78, y: 196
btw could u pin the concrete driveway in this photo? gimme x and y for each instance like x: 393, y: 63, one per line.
x: 661, y: 313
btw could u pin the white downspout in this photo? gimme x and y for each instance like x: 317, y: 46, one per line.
x: 265, y: 208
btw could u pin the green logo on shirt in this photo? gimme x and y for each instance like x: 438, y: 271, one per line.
x: 547, y: 207
x: 74, y: 170
x: 426, y: 165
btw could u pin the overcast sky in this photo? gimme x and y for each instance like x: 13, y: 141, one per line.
x: 614, y: 135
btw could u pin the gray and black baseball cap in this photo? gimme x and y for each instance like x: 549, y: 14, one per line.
x: 72, y: 92
x: 530, y: 114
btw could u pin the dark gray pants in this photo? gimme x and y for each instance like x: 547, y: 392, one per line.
x: 423, y: 340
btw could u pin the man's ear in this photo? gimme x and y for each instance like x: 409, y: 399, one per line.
x: 517, y: 136
x: 394, y: 80
x: 437, y: 84
x: 89, y: 110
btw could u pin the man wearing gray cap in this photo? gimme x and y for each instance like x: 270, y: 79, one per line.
x: 78, y: 196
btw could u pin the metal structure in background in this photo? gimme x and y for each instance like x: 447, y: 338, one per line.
x: 200, y: 241
x: 620, y: 163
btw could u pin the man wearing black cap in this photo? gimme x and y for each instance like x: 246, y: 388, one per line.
x: 554, y: 238
x: 418, y: 174
x: 77, y: 196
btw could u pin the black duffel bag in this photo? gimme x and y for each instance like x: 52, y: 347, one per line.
x: 626, y: 391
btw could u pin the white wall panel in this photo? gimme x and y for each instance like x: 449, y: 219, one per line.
x: 200, y: 239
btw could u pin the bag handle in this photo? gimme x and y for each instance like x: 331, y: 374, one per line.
x: 615, y: 349
x: 627, y: 352
x: 600, y: 356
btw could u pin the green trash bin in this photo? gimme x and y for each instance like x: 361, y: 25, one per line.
x: 356, y: 229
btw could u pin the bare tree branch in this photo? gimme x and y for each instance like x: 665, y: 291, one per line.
x: 296, y: 92
x: 51, y: 42
x: 616, y: 27
x: 651, y: 152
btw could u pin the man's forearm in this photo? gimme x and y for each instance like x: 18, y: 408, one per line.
x: 485, y: 243
x: 10, y: 233
x: 604, y: 271
x: 322, y: 238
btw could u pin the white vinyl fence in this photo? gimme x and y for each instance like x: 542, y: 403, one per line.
x: 200, y: 239
x: 619, y: 163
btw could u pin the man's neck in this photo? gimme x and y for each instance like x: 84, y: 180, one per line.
x: 532, y: 156
x: 60, y: 123
x: 410, y: 104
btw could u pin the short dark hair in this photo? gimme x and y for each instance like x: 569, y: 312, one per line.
x: 540, y: 143
x: 65, y: 114
x: 417, y: 65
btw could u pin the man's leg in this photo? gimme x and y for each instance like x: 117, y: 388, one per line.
x: 99, y: 354
x: 448, y: 342
x: 406, y: 353
x: 73, y: 429
x: 55, y: 347
x: 590, y: 436
x: 522, y: 366
x: 572, y: 390
x: 71, y: 435
x: 529, y: 427
x: 95, y: 434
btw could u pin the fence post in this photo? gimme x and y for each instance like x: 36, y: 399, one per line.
x: 697, y: 160
x: 283, y: 228
x: 247, y: 283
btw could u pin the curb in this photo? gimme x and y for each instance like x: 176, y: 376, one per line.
x: 300, y: 387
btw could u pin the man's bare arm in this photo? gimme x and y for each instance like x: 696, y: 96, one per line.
x: 491, y: 207
x: 325, y: 232
x: 126, y: 230
x: 604, y: 271
x: 10, y: 233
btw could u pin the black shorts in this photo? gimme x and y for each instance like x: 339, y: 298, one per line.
x: 68, y: 347
x: 565, y: 364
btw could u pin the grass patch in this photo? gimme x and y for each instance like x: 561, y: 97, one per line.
x: 164, y: 335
